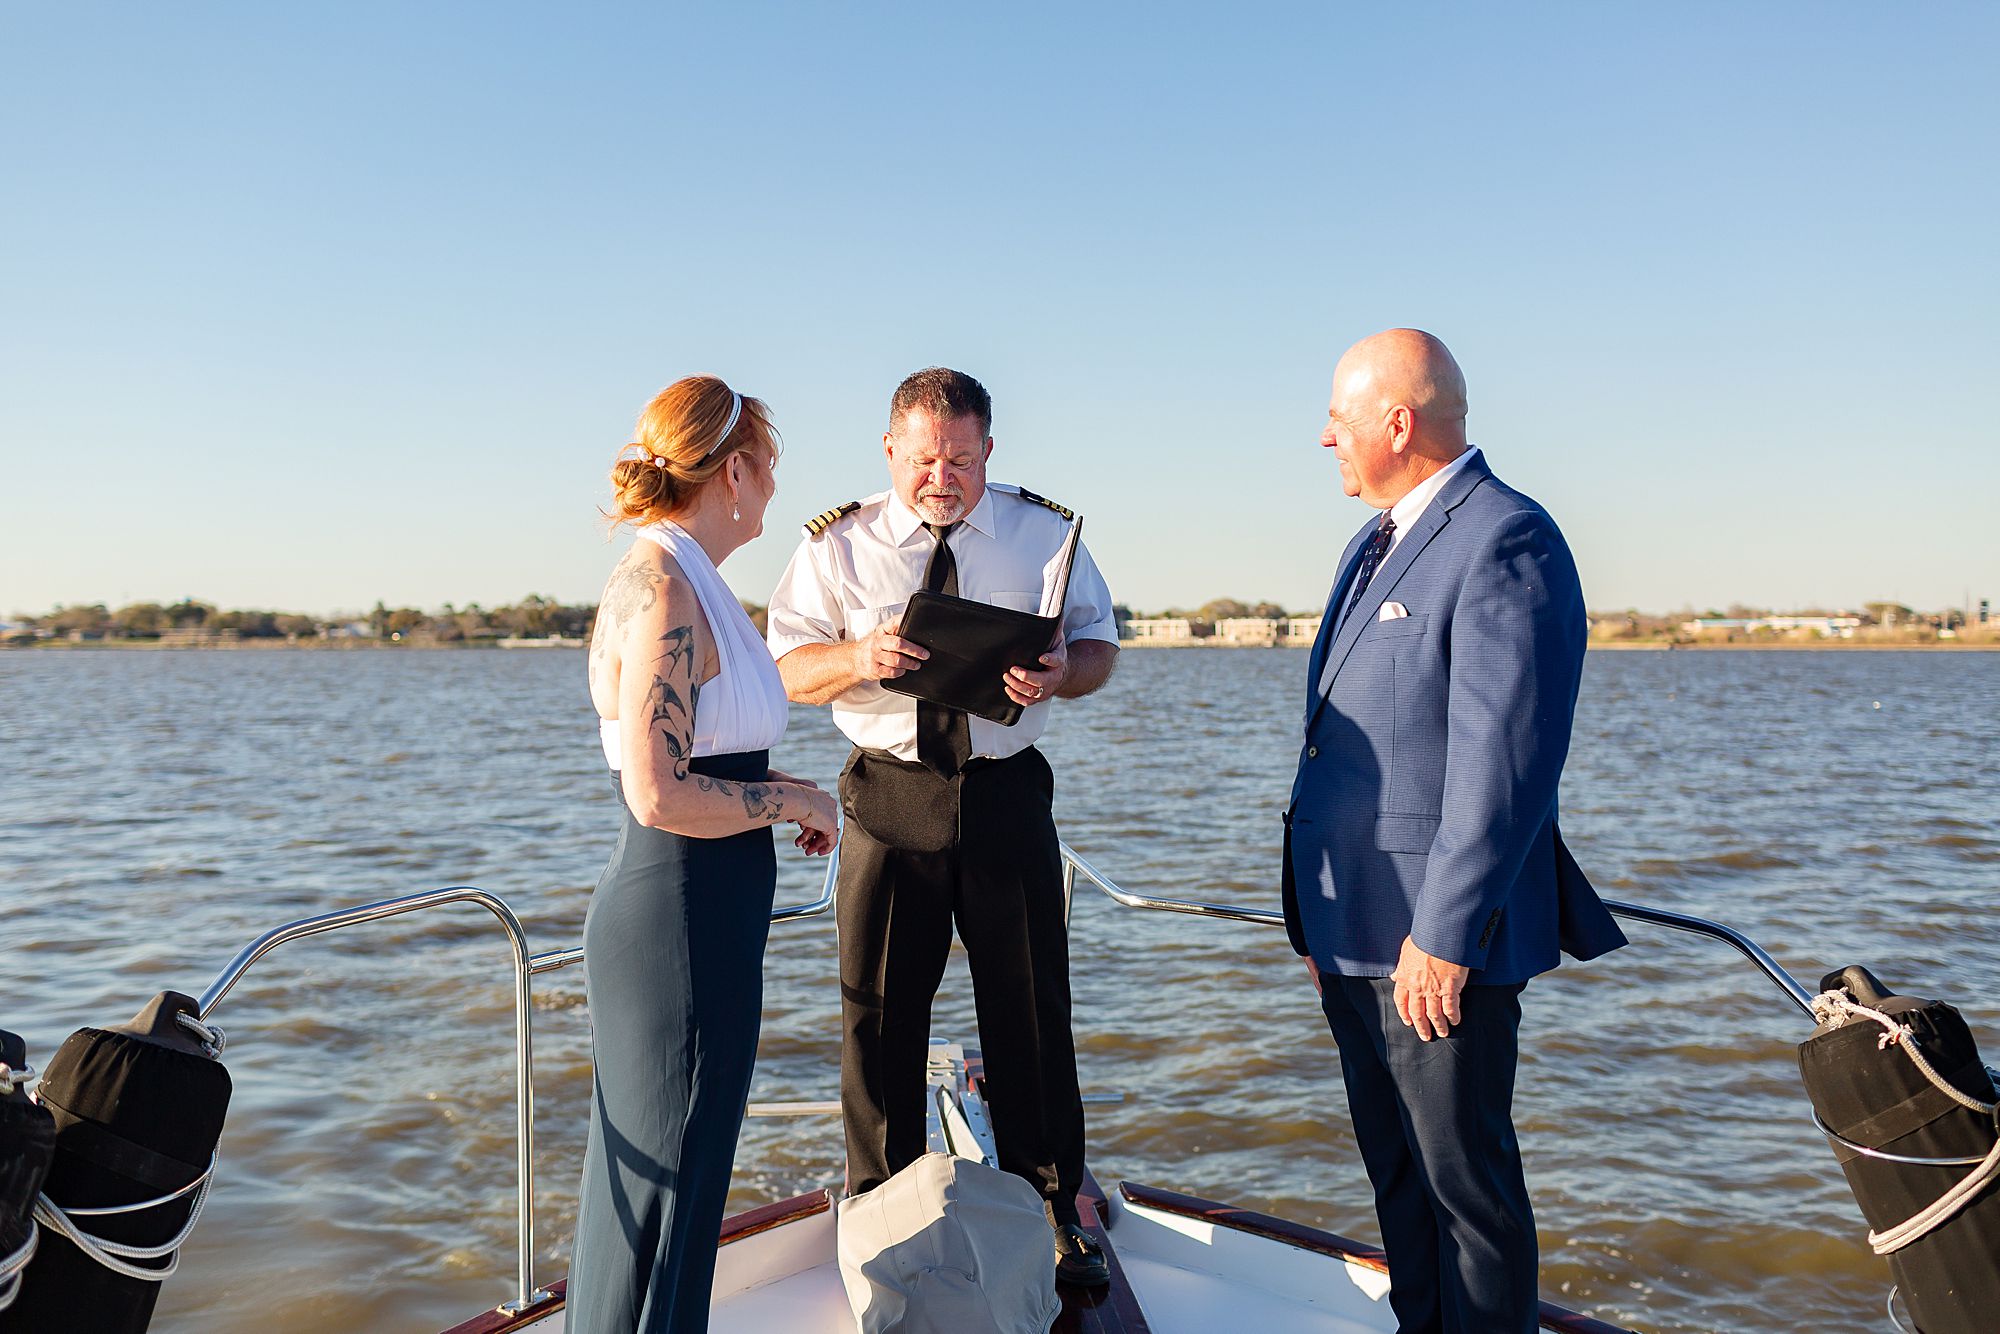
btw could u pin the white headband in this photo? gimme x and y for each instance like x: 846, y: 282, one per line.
x: 735, y: 415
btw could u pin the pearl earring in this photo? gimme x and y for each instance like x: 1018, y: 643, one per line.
x: 736, y: 513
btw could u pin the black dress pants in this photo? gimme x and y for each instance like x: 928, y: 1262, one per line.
x: 998, y: 877
x: 1434, y: 1121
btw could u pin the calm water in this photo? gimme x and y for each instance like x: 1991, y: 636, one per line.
x: 161, y: 809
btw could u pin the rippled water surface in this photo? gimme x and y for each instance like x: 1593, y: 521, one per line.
x: 161, y: 809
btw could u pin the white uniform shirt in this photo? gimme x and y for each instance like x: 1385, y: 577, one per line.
x: 861, y: 569
x: 1405, y: 512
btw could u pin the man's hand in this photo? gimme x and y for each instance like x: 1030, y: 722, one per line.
x: 1026, y: 686
x: 1427, y: 990
x: 1312, y: 971
x: 883, y: 654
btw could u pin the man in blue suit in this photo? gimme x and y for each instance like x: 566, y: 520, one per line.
x: 1425, y: 879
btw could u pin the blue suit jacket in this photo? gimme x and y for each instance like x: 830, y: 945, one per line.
x: 1425, y: 802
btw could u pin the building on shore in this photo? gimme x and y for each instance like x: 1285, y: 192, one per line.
x: 1156, y: 630
x: 1248, y: 631
x: 195, y: 636
x: 1825, y: 627
x: 1228, y: 632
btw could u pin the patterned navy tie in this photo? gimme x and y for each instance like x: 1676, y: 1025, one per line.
x: 944, y: 740
x: 1378, y: 548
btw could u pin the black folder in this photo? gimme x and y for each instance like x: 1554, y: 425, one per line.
x: 972, y: 644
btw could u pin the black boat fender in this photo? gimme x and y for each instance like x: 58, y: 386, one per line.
x: 27, y: 1146
x: 1898, y: 1087
x: 137, y: 1111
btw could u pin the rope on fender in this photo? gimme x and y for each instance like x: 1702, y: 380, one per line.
x: 1834, y: 1008
x: 213, y: 1039
x: 12, y: 1266
x: 115, y: 1255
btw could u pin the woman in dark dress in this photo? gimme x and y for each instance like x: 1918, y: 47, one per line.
x: 689, y: 704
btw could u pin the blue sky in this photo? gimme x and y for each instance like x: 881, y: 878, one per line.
x: 310, y: 305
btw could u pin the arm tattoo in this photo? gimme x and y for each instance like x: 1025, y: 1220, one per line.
x: 635, y: 587
x: 673, y: 713
x: 760, y: 800
x: 675, y: 721
x: 759, y: 803
x: 679, y: 650
x: 674, y: 717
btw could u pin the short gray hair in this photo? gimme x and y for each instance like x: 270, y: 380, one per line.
x: 945, y: 394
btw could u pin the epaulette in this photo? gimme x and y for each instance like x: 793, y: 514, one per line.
x: 1026, y: 494
x: 819, y: 524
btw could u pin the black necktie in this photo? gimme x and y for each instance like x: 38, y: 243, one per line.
x: 944, y: 741
x: 1378, y: 549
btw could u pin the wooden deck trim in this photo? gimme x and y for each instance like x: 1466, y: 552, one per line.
x: 767, y: 1216
x: 1109, y: 1310
x: 1553, y: 1317
x: 499, y: 1322
x: 734, y: 1228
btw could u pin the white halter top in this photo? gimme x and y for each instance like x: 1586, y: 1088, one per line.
x: 743, y: 708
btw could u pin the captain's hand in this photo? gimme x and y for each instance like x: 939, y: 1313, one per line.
x: 780, y: 776
x: 1312, y: 971
x: 1027, y: 686
x: 1427, y: 990
x: 882, y: 654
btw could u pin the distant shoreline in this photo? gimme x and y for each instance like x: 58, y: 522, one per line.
x: 264, y: 645
x: 1659, y: 646
x: 543, y: 645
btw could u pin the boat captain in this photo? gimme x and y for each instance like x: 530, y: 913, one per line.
x: 948, y: 815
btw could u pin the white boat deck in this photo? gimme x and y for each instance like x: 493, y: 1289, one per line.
x: 1180, y: 1265
x: 1188, y: 1276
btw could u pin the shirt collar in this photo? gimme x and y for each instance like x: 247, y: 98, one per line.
x: 1411, y: 507
x: 905, y: 523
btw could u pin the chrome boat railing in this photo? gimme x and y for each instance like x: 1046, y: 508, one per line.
x: 1075, y: 866
x: 525, y: 967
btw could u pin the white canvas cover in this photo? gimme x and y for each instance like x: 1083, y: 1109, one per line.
x: 949, y: 1246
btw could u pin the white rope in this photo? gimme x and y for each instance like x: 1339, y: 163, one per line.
x: 213, y: 1039
x: 11, y: 1079
x: 113, y: 1255
x: 1835, y: 1008
x: 13, y: 1265
x: 155, y: 1202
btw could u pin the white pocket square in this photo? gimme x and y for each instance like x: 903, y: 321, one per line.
x: 1392, y: 611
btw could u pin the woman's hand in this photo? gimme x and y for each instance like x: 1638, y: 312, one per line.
x: 780, y: 776
x: 818, y: 817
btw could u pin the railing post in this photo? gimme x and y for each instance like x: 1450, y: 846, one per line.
x: 524, y: 1124
x: 524, y: 1079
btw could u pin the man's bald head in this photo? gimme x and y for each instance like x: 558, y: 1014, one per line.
x: 1397, y: 414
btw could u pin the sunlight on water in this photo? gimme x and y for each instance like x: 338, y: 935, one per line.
x: 164, y: 808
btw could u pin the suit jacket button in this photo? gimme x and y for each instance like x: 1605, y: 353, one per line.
x: 1312, y: 752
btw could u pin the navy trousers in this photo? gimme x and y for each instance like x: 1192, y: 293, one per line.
x: 1435, y: 1124
x: 673, y: 953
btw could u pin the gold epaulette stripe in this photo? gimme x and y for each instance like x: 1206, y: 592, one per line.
x: 820, y: 523
x: 1026, y: 494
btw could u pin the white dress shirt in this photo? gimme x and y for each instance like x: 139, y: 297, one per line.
x: 1405, y: 512
x: 860, y: 570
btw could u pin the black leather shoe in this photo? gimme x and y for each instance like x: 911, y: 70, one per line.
x: 1079, y: 1259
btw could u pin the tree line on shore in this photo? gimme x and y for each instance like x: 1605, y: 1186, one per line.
x: 533, y: 617
x: 537, y: 617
